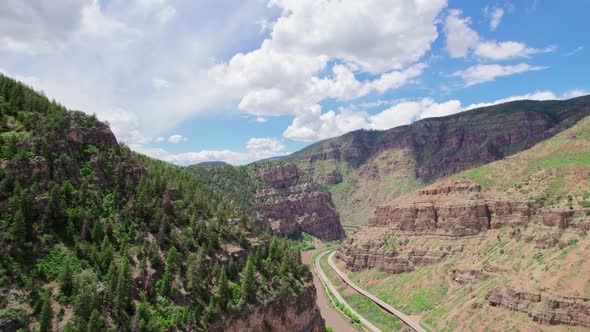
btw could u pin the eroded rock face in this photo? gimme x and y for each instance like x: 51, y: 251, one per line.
x: 297, y: 315
x: 100, y: 136
x: 367, y: 256
x: 292, y: 204
x: 448, y: 210
x: 542, y: 308
x: 457, y: 208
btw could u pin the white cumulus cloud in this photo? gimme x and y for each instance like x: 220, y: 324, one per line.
x: 484, y: 73
x: 461, y: 40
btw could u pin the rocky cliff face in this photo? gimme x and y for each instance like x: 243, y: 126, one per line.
x: 543, y: 308
x: 297, y: 315
x: 292, y: 203
x: 278, y: 195
x: 457, y: 208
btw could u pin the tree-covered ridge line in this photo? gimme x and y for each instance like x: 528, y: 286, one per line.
x: 95, y: 237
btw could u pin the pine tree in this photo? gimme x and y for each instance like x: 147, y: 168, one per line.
x: 67, y: 278
x: 258, y: 255
x: 284, y: 268
x: 123, y: 290
x: 273, y: 250
x: 85, y: 300
x: 232, y: 270
x: 19, y: 228
x: 46, y: 316
x: 172, y: 260
x: 214, y: 309
x: 223, y: 290
x: 96, y: 323
x: 55, y: 208
x: 109, y: 297
x: 248, y: 284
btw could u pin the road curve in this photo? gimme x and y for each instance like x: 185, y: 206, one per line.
x: 329, y: 285
x: 386, y: 307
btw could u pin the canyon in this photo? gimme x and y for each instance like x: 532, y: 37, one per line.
x: 499, y: 236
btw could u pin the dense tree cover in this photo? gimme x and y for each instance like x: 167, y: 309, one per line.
x: 117, y: 239
x: 237, y: 183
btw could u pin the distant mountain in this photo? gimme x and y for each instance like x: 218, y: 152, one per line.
x: 363, y: 168
x: 211, y: 163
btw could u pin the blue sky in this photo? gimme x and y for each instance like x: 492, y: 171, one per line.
x: 190, y: 81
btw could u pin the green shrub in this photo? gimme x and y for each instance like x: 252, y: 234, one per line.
x: 51, y: 265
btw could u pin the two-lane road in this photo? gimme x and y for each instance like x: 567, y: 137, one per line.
x: 386, y: 307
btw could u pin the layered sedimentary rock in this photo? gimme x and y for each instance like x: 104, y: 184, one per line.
x: 450, y: 210
x: 457, y: 208
x: 372, y: 255
x: 292, y: 203
x: 542, y: 308
x: 297, y: 315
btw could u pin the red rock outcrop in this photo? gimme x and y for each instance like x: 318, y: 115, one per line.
x: 300, y: 314
x: 292, y: 203
x: 281, y: 176
x: 542, y: 308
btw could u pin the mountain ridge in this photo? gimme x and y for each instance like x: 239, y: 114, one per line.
x: 364, y: 168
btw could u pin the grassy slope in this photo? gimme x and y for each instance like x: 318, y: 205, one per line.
x: 552, y: 169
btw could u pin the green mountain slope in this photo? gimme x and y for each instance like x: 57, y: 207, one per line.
x: 94, y: 237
